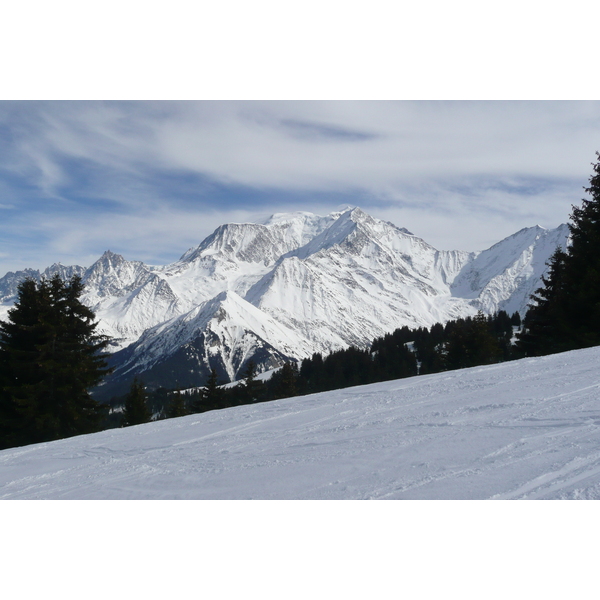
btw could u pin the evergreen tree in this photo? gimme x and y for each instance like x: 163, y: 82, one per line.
x: 176, y: 406
x: 50, y: 356
x: 283, y: 383
x: 582, y: 269
x: 429, y: 346
x: 136, y: 405
x: 158, y: 403
x: 251, y: 389
x: 211, y: 395
x: 471, y: 343
x: 390, y: 357
x: 501, y: 326
x: 566, y: 312
x: 545, y: 329
x: 312, y: 375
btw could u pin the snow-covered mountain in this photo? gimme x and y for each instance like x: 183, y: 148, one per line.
x: 296, y: 284
x: 526, y: 429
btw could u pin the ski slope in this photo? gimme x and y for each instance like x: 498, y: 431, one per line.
x: 529, y: 429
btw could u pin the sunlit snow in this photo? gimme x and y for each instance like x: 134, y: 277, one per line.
x: 528, y: 429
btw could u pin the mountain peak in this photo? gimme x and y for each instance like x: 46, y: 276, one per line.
x: 111, y: 257
x: 299, y: 283
x: 284, y: 217
x: 358, y: 213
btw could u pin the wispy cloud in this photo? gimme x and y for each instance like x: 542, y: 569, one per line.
x: 149, y: 178
x: 306, y: 130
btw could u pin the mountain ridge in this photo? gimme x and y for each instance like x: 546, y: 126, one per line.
x: 296, y: 284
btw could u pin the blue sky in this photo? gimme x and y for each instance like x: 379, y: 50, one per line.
x: 149, y: 179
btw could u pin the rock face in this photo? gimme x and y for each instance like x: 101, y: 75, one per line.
x: 296, y: 284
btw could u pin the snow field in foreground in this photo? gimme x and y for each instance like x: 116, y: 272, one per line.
x: 528, y: 429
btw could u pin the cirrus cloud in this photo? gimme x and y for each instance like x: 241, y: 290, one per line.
x: 150, y: 179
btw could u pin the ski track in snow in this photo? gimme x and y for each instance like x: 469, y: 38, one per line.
x: 529, y: 429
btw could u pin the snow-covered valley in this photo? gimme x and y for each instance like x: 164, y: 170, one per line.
x: 528, y: 429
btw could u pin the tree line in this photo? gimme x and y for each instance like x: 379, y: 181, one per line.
x: 406, y: 352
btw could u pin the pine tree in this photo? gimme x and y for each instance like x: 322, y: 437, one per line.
x: 312, y: 374
x: 566, y: 310
x: 545, y: 329
x: 251, y: 388
x: 176, y: 406
x: 515, y: 319
x: 390, y: 357
x: 136, y: 405
x: 582, y: 268
x: 566, y: 313
x: 284, y: 381
x: 470, y: 343
x: 211, y: 395
x: 50, y: 356
x: 429, y: 346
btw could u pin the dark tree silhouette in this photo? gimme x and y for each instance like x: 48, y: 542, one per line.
x: 136, y: 405
x: 50, y: 357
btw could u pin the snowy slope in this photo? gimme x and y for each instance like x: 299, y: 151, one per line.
x: 528, y: 429
x: 359, y: 279
x: 222, y: 333
x: 505, y: 276
x: 127, y: 297
x: 238, y: 254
